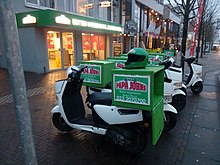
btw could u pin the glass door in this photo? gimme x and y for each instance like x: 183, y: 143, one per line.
x: 68, y: 49
x: 60, y: 55
x: 54, y: 53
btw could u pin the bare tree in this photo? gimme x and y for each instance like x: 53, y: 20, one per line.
x: 9, y: 32
x: 186, y: 9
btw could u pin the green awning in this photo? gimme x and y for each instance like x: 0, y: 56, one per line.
x: 51, y: 18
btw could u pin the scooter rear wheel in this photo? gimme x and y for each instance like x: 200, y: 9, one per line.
x: 197, y: 88
x: 60, y: 123
x: 137, y: 140
x: 179, y: 102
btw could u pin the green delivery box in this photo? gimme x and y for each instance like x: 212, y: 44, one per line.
x: 169, y: 53
x: 119, y: 61
x: 152, y: 60
x: 124, y: 55
x: 138, y: 88
x: 97, y: 73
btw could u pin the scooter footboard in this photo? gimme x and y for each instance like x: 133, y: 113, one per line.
x: 118, y: 115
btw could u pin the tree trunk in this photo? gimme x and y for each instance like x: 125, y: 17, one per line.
x: 184, y: 39
x: 202, y: 46
x: 198, y: 41
x: 14, y: 62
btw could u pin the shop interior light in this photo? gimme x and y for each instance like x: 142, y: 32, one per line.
x: 152, y: 11
x: 158, y: 18
x: 156, y: 13
x: 149, y: 13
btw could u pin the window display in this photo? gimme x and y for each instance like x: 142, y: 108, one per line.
x: 93, y: 47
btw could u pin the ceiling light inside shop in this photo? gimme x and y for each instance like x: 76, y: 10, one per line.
x: 152, y: 11
x: 158, y: 18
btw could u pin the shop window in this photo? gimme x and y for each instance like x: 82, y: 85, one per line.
x: 93, y: 47
x: 104, y: 13
x: 47, y: 3
x: 68, y: 5
x: 43, y: 3
x: 83, y: 7
x: 32, y: 1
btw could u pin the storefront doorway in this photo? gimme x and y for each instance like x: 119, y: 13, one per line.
x: 60, y: 47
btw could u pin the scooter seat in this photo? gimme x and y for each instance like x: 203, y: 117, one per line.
x: 103, y: 98
x: 190, y: 60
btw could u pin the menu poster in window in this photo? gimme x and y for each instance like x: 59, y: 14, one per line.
x: 50, y: 40
x: 94, y: 42
x: 70, y: 41
x: 86, y: 42
x: 117, y: 49
x: 101, y: 42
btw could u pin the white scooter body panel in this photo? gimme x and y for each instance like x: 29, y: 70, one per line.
x: 168, y: 88
x: 90, y: 128
x: 175, y: 76
x: 197, y: 69
x: 111, y: 114
x: 178, y: 92
x: 169, y: 108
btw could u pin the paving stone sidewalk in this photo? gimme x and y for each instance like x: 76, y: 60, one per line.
x: 194, y: 140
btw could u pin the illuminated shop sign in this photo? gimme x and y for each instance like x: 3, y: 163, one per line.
x: 29, y: 19
x: 78, y: 22
x: 88, y: 6
x: 62, y: 20
x: 50, y: 18
x: 105, y: 4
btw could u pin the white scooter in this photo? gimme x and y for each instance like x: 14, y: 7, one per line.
x: 179, y: 89
x: 170, y: 113
x: 194, y: 80
x: 124, y: 126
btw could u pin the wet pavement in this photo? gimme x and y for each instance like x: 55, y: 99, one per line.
x: 194, y: 140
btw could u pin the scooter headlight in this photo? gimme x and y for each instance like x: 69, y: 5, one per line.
x: 199, y: 74
x: 177, y: 85
x: 167, y: 99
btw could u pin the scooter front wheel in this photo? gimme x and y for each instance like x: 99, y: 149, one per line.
x: 169, y: 121
x: 197, y: 87
x: 60, y: 123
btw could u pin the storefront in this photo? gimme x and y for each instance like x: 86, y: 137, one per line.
x: 56, y: 40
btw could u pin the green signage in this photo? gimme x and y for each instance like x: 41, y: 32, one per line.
x: 154, y: 60
x: 132, y: 89
x: 52, y: 18
x: 170, y: 53
x: 92, y: 74
x: 120, y: 63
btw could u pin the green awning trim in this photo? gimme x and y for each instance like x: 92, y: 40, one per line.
x: 51, y: 18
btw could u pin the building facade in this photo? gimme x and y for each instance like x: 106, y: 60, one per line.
x: 56, y: 34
